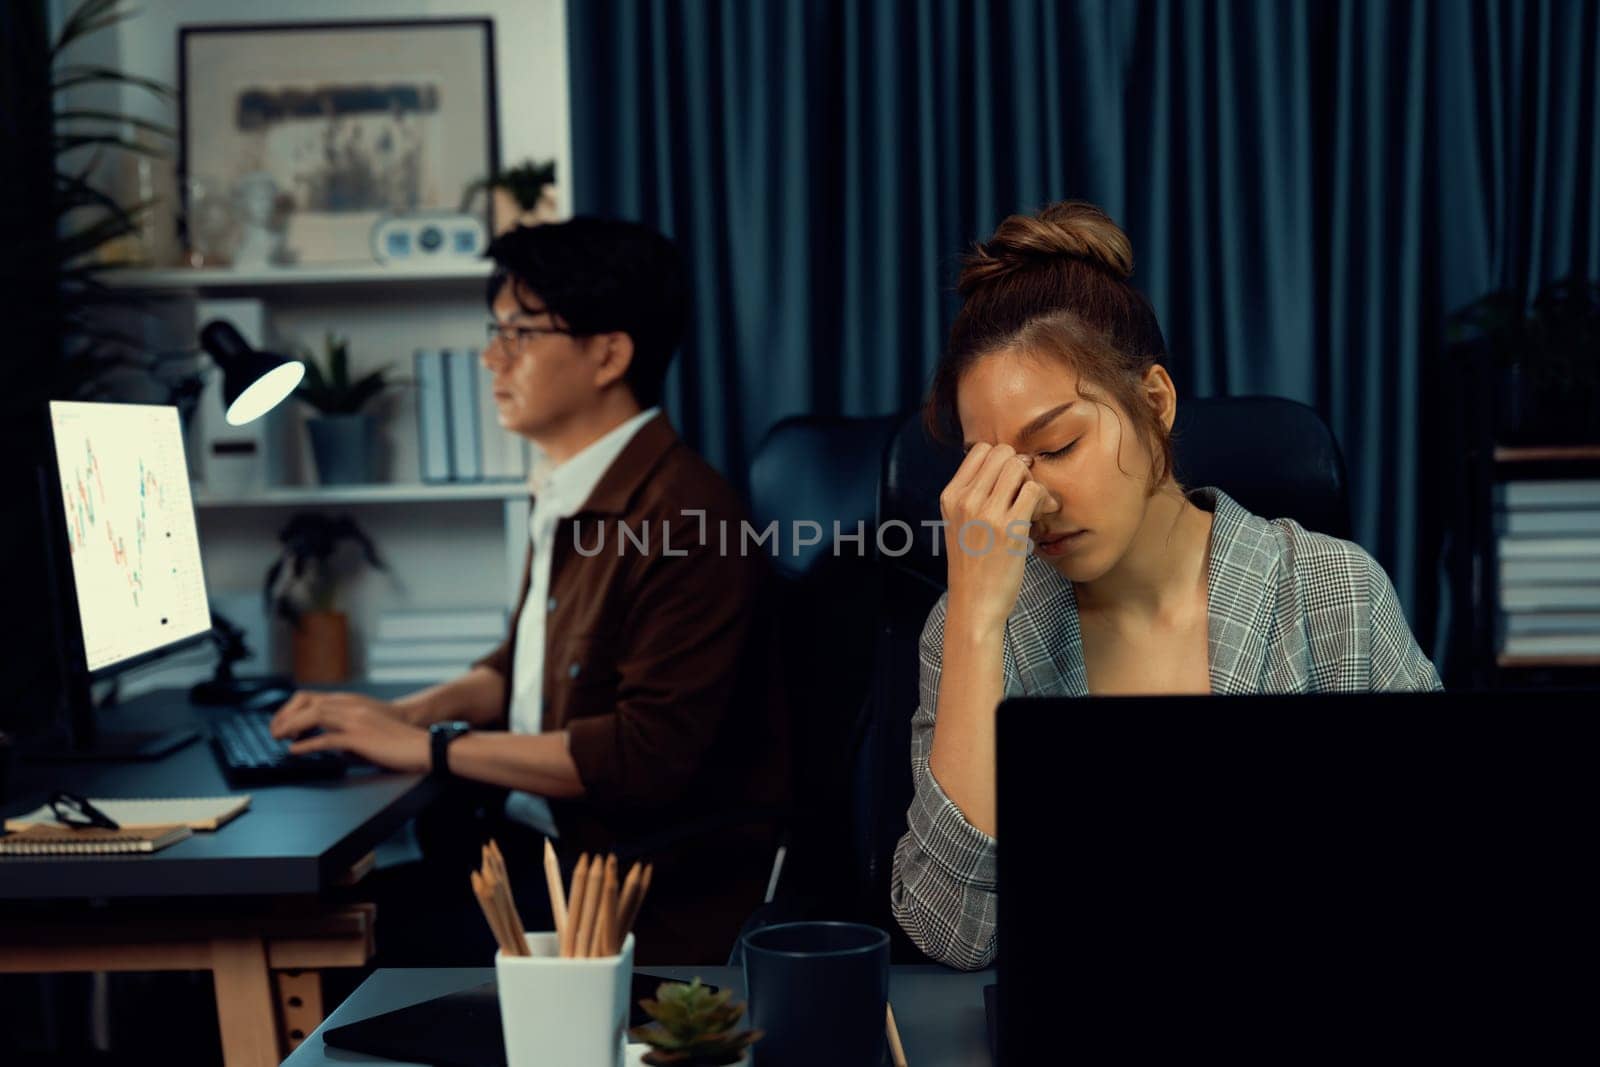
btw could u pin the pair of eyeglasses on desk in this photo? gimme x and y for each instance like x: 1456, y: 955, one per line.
x: 78, y: 813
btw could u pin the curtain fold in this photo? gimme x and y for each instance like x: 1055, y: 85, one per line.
x: 1310, y: 187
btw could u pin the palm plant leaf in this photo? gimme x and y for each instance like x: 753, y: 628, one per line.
x: 67, y: 142
x: 83, y: 114
x: 76, y: 76
x: 89, y: 17
x: 73, y: 193
x: 73, y: 245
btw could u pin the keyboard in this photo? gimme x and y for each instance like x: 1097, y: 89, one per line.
x: 250, y: 755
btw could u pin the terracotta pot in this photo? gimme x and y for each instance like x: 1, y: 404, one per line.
x: 322, y: 648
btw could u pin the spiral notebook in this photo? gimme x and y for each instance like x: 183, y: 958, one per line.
x: 54, y: 841
x: 197, y: 813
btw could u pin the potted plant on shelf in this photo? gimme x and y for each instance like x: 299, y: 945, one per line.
x: 523, y: 195
x: 1547, y: 355
x: 693, y: 1027
x: 343, y: 436
x: 302, y: 586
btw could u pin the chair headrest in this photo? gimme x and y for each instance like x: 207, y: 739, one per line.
x: 916, y: 469
x: 822, y: 469
x: 1276, y: 457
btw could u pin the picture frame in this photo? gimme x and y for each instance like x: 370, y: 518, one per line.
x: 297, y: 140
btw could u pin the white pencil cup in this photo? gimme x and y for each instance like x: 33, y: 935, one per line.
x: 568, y: 1011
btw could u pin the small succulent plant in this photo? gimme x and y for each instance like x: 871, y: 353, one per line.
x: 694, y: 1027
x: 332, y: 391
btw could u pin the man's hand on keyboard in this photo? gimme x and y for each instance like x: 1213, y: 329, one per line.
x: 355, y: 723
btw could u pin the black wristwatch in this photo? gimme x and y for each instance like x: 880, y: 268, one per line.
x: 440, y: 734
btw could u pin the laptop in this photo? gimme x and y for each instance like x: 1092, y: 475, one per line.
x: 1283, y: 878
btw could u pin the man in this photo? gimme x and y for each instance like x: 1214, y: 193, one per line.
x: 630, y: 708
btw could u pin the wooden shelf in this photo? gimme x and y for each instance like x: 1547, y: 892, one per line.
x: 454, y: 274
x: 323, y: 496
x: 1545, y: 453
x: 1510, y: 661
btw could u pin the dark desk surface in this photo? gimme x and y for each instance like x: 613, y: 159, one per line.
x: 294, y: 839
x: 939, y: 1011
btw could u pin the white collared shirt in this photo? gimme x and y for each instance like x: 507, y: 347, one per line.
x: 558, y: 492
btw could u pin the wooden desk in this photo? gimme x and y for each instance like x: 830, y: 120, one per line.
x: 246, y: 902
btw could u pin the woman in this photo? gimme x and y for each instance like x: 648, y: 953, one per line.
x: 1055, y: 385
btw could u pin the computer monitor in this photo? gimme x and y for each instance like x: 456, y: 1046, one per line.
x: 126, y: 552
x: 1291, y: 878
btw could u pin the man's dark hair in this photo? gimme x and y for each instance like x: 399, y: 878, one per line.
x: 600, y: 276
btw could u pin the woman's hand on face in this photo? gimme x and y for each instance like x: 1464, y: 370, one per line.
x: 988, y: 508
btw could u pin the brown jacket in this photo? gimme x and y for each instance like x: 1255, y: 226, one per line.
x: 659, y: 665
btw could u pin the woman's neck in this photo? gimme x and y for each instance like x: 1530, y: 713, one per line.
x: 1164, y: 567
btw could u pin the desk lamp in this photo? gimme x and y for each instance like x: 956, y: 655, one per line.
x: 253, y: 383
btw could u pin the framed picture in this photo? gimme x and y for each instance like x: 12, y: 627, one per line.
x: 298, y: 139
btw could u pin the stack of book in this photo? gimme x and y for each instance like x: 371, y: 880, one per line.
x: 1549, y: 568
x: 426, y: 647
x: 458, y: 421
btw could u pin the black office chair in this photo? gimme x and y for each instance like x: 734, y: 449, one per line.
x: 822, y: 469
x: 1276, y: 457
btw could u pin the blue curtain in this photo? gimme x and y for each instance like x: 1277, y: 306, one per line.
x: 1309, y: 188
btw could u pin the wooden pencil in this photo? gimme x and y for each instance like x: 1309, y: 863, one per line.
x: 627, y: 902
x: 606, y: 915
x: 575, y: 899
x: 592, y: 895
x: 486, y: 902
x: 498, y: 857
x: 631, y: 915
x: 508, y: 908
x: 558, y: 894
x: 491, y: 885
x: 589, y: 912
x: 897, y: 1051
x: 492, y: 895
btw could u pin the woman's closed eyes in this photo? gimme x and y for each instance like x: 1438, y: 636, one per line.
x: 1058, y: 453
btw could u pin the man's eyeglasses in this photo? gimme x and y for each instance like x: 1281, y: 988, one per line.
x: 514, y: 338
x: 77, y: 812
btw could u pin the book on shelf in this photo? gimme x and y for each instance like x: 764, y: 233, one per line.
x: 460, y: 652
x: 1531, y: 571
x: 505, y: 454
x: 458, y: 420
x: 433, y: 415
x: 1550, y: 622
x: 462, y: 624
x: 466, y: 460
x: 1552, y: 645
x: 1564, y: 493
x: 1550, y: 597
x: 1549, y: 547
x: 1549, y: 522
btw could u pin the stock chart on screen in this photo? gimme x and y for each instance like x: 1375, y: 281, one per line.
x: 130, y: 526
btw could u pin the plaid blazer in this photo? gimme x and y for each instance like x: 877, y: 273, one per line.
x: 1290, y: 612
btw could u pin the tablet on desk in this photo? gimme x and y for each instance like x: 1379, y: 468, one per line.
x: 458, y: 1030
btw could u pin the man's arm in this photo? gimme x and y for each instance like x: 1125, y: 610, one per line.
x: 477, y: 697
x: 533, y: 763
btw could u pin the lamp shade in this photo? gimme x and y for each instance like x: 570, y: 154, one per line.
x: 253, y: 382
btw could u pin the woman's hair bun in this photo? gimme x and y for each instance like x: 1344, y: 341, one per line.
x: 1071, y: 228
